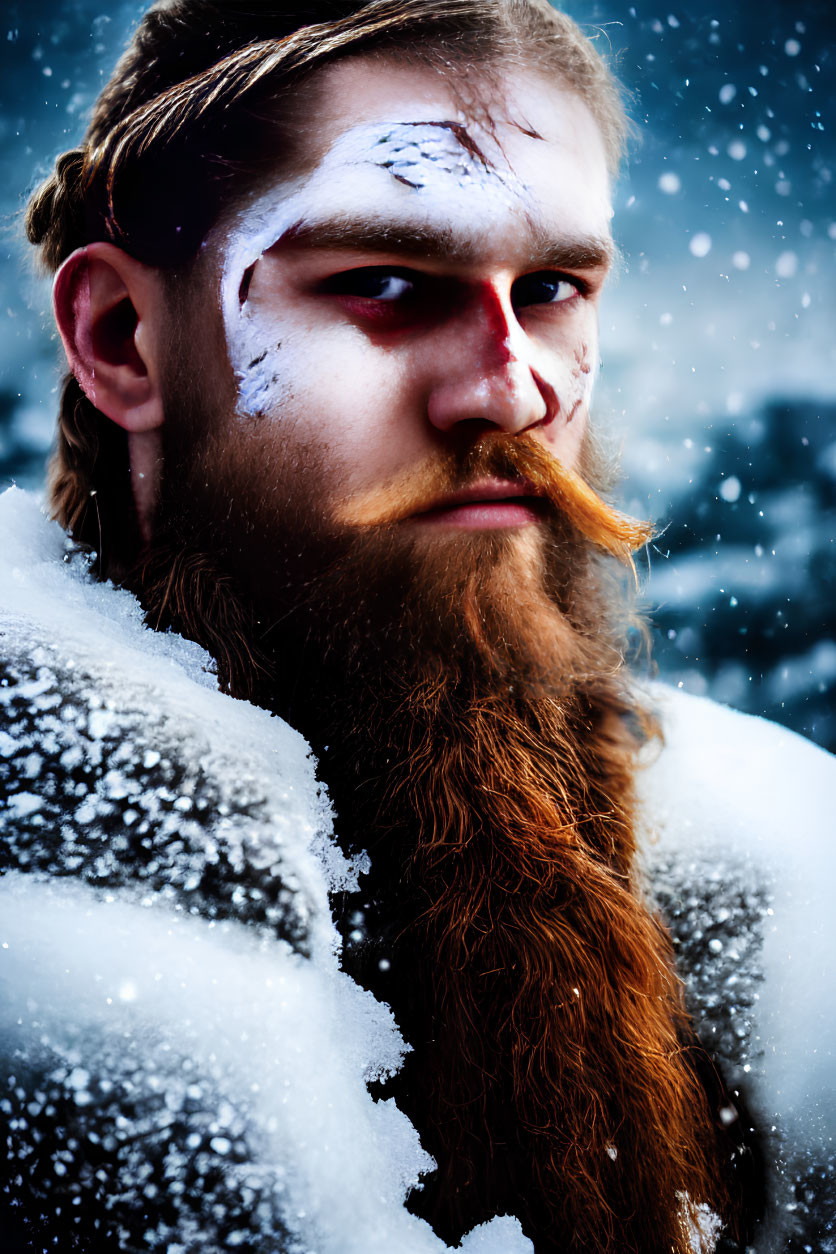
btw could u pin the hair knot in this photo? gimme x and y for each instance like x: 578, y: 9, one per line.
x: 55, y: 218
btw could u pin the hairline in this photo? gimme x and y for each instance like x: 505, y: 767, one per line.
x: 490, y: 68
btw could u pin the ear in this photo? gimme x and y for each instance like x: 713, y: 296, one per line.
x: 109, y: 308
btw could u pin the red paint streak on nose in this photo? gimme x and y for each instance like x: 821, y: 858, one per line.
x: 496, y: 321
x: 499, y: 338
x: 551, y: 400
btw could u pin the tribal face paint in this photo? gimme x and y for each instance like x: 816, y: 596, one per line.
x: 425, y: 275
x: 416, y: 171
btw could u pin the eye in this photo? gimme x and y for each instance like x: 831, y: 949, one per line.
x: 544, y: 287
x: 372, y: 283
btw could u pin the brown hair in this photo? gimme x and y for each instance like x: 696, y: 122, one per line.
x: 199, y: 104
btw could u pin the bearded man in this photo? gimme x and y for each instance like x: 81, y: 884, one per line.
x: 328, y: 290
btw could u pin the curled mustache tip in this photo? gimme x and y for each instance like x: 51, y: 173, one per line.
x: 508, y: 456
x: 602, y: 524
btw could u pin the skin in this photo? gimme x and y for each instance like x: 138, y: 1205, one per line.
x: 433, y: 273
x: 425, y: 281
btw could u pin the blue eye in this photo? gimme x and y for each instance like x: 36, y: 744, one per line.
x: 544, y: 288
x: 372, y: 283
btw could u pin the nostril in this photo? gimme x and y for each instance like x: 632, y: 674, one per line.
x: 473, y: 428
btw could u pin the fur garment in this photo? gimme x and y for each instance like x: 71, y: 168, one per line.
x: 142, y: 812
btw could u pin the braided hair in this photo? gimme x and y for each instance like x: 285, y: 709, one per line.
x: 199, y: 107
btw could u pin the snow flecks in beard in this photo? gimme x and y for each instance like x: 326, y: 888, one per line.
x: 702, y: 1226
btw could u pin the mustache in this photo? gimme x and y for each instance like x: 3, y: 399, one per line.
x: 515, y: 457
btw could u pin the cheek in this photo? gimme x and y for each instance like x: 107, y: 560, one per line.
x: 329, y: 386
x: 572, y: 373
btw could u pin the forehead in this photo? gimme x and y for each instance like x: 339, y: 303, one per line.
x: 392, y: 146
x: 398, y: 139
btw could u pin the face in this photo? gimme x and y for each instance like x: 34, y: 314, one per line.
x: 427, y: 281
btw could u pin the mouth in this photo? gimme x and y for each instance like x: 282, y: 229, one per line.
x: 484, y: 504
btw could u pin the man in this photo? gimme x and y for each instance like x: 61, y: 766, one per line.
x: 328, y: 294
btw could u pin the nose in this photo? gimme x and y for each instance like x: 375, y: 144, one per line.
x: 485, y: 372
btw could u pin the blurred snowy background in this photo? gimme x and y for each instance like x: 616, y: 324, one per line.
x: 719, y: 333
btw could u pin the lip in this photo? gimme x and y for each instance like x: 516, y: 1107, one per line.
x: 486, y: 503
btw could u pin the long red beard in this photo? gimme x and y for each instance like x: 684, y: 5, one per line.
x: 468, y: 705
x: 550, y: 1077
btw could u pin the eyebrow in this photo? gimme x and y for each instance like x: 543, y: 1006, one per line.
x: 547, y: 251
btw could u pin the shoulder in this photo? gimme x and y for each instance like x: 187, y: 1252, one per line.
x: 731, y: 775
x: 169, y: 1083
x: 182, y: 1063
x: 163, y: 1075
x: 121, y: 763
x: 737, y: 835
x: 121, y: 1131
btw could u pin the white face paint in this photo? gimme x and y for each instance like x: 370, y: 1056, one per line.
x: 446, y: 171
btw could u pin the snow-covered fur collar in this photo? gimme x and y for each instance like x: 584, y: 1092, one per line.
x: 182, y: 1064
x: 174, y: 1018
x: 739, y: 848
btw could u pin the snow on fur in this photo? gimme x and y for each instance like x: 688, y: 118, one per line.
x: 169, y: 965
